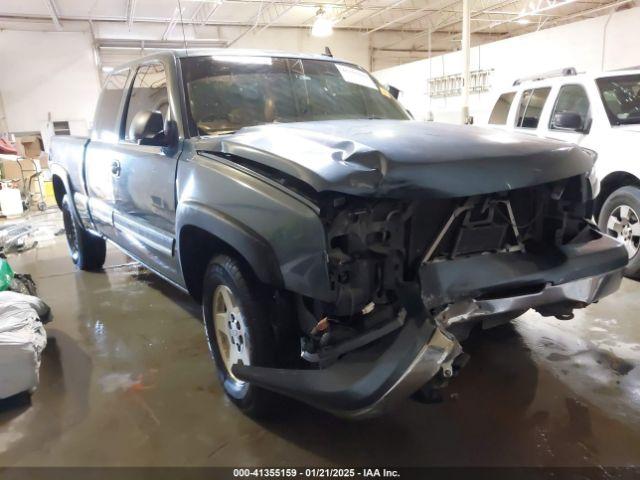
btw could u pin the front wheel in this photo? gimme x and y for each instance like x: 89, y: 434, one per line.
x: 237, y: 323
x: 620, y: 218
x: 87, y: 251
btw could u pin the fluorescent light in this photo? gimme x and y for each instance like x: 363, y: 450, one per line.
x: 523, y: 21
x: 322, y: 27
x: 107, y: 69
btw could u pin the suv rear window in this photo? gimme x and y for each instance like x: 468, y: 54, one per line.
x: 530, y: 107
x: 500, y: 110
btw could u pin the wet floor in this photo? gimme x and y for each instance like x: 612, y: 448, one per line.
x: 126, y: 379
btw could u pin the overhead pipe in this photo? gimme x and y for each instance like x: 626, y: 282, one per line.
x: 466, y: 47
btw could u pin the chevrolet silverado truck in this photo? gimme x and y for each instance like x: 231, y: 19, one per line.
x: 337, y: 247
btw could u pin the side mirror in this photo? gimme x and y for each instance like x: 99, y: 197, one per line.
x: 395, y: 92
x: 149, y: 128
x: 171, y: 135
x: 568, y: 121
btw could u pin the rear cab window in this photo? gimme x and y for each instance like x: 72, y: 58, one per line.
x: 500, y: 111
x: 530, y: 108
x: 106, y: 122
x: 148, y: 93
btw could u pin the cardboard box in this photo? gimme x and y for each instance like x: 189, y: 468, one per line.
x: 29, y: 146
x: 11, y: 170
x: 44, y: 160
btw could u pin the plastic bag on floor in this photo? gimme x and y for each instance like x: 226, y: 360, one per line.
x: 22, y: 339
x: 6, y: 275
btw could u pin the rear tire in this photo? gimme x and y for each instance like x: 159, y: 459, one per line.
x: 236, y: 312
x: 620, y: 218
x: 88, y: 252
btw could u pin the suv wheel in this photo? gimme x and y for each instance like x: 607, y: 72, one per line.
x: 620, y: 218
x: 238, y: 328
x: 88, y: 251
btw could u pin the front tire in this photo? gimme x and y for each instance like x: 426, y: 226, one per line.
x: 237, y: 323
x: 88, y: 252
x: 620, y: 218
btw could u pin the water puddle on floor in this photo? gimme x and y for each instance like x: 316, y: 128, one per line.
x: 591, y: 356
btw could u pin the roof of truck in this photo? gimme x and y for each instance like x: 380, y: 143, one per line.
x: 557, y: 77
x: 230, y: 52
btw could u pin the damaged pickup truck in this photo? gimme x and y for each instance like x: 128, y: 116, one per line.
x: 339, y: 249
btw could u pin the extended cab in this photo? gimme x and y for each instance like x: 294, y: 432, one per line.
x: 598, y: 111
x: 337, y: 247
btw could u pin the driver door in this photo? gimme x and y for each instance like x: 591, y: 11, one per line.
x: 145, y: 202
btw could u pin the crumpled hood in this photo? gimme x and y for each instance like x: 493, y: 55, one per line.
x: 401, y: 159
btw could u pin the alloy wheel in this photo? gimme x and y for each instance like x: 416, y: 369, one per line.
x: 230, y: 330
x: 624, y: 224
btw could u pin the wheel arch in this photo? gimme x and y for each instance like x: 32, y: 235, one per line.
x: 203, y: 232
x: 59, y: 190
x: 62, y: 187
x: 609, y: 184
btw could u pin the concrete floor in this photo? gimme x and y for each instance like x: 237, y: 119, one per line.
x: 126, y: 379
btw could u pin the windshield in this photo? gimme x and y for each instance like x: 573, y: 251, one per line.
x: 226, y: 93
x: 621, y: 98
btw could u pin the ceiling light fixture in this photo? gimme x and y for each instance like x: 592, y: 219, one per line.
x: 322, y: 27
x: 523, y: 21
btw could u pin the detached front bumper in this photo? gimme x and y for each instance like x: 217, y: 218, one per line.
x: 560, y: 279
x: 367, y: 380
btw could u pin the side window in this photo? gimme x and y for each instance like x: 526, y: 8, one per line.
x: 571, y: 99
x: 530, y: 107
x: 106, y: 120
x: 500, y: 111
x: 149, y: 93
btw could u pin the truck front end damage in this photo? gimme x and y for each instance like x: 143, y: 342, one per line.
x: 406, y: 272
x: 429, y: 228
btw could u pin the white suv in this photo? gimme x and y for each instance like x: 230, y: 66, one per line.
x: 600, y: 112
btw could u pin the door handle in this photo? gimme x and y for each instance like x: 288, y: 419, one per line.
x: 115, y: 168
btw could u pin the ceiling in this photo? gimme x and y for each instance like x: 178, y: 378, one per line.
x: 415, y: 28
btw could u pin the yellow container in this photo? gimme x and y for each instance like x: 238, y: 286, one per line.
x: 49, y: 196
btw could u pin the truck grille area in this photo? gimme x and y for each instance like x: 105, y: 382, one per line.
x: 377, y: 244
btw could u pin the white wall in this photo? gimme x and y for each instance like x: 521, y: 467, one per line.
x: 577, y: 45
x: 55, y: 72
x: 46, y: 72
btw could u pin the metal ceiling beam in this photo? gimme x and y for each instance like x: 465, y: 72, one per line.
x: 213, y: 10
x: 279, y: 15
x: 448, y: 24
x: 579, y: 14
x: 53, y: 12
x: 38, y: 18
x: 131, y: 7
x: 399, y: 19
x: 409, y: 50
x: 141, y: 44
x: 171, y: 25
